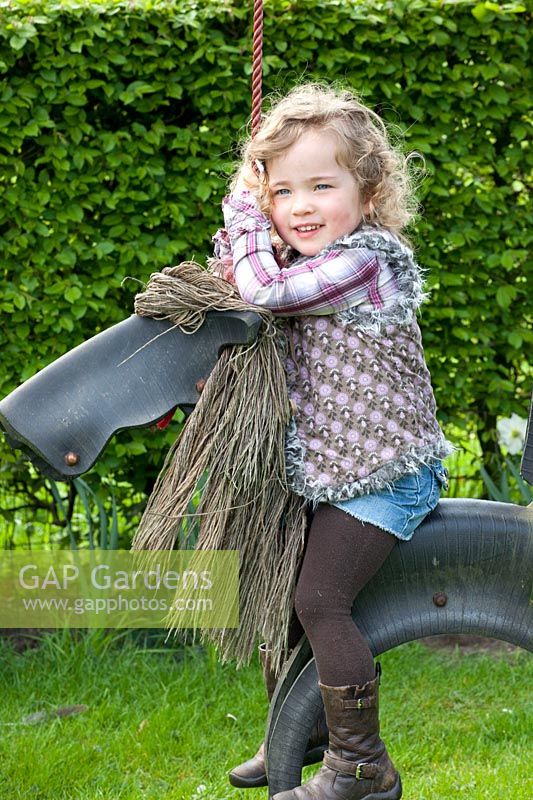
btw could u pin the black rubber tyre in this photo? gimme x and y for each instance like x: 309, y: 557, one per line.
x: 468, y: 569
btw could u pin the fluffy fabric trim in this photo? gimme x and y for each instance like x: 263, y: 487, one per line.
x: 407, y: 463
x: 408, y: 275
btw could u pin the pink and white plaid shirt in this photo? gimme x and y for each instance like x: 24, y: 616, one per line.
x: 360, y: 390
x: 339, y: 277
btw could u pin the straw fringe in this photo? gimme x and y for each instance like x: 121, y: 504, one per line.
x: 234, y: 440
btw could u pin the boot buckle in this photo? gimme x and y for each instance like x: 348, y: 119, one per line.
x: 359, y: 772
x: 359, y: 703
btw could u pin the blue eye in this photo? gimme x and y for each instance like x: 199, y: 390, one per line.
x: 281, y: 192
x: 323, y: 186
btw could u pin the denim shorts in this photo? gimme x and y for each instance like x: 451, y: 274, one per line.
x: 401, y: 508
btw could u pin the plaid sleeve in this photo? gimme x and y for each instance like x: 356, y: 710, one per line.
x: 332, y: 281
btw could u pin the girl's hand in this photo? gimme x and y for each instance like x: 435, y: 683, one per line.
x: 222, y: 263
x: 228, y: 274
x: 222, y: 268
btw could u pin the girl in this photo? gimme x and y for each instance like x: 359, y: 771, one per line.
x: 313, y: 232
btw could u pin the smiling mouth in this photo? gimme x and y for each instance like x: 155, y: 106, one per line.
x: 307, y: 228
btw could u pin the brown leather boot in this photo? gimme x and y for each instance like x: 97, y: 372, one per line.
x: 252, y: 773
x: 356, y: 764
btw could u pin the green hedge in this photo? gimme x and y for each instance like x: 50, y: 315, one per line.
x: 117, y: 123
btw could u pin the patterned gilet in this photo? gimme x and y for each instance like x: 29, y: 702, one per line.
x: 364, y: 412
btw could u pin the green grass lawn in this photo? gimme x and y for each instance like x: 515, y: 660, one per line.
x: 169, y: 725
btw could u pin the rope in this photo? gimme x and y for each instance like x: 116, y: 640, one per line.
x: 233, y: 444
x: 257, y: 66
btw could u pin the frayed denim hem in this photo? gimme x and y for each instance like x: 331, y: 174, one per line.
x: 382, y: 527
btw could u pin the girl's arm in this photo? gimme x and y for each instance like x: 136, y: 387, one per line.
x: 332, y: 281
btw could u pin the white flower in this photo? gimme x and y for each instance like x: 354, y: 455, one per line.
x: 512, y: 433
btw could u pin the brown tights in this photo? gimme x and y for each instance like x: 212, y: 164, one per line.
x: 341, y: 556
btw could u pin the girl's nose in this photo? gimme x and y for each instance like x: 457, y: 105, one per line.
x: 302, y: 203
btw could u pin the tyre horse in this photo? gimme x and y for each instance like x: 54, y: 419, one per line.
x: 468, y: 570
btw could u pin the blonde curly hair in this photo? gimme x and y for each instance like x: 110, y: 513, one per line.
x: 365, y: 149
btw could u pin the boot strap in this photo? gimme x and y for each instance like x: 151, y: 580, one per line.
x: 359, y: 771
x: 361, y: 702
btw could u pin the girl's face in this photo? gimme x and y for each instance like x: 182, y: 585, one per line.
x: 314, y: 199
